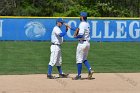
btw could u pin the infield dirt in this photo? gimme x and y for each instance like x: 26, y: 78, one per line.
x: 102, y: 83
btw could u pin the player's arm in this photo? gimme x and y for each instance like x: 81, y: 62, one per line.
x: 59, y: 32
x: 63, y: 33
x: 78, y: 34
x: 72, y: 28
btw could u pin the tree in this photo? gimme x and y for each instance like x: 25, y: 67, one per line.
x: 96, y: 8
x: 7, y: 7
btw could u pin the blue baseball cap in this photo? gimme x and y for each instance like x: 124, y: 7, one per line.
x: 60, y: 20
x: 84, y: 14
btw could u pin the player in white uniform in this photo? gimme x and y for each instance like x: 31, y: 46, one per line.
x: 55, y: 57
x: 83, y: 35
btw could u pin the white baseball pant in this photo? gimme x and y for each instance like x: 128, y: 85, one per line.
x: 82, y: 51
x: 55, y: 57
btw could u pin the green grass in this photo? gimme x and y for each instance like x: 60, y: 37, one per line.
x: 18, y: 57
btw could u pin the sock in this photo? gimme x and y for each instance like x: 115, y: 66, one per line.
x: 87, y: 65
x: 59, y: 69
x: 49, y: 69
x: 79, y: 68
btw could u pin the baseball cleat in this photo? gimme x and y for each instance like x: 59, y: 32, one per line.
x: 51, y: 77
x: 63, y: 75
x: 90, y: 74
x: 77, y: 78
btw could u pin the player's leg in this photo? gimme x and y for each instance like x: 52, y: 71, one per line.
x: 59, y: 62
x: 79, y: 60
x: 90, y: 71
x: 87, y: 65
x: 50, y: 66
x: 59, y: 67
x: 53, y: 60
x: 85, y: 57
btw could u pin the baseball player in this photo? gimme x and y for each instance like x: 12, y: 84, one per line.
x: 55, y: 57
x: 82, y: 33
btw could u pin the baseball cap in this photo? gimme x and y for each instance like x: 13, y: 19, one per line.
x: 60, y: 20
x: 84, y: 14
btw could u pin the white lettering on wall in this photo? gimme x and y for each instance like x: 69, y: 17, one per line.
x: 1, y: 21
x: 107, y: 30
x: 69, y: 32
x: 120, y: 29
x: 131, y: 29
x: 94, y: 30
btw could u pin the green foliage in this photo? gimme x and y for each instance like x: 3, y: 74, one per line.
x: 70, y: 8
x: 29, y: 10
x: 108, y: 10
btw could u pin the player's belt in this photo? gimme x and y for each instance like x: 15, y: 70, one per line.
x: 56, y: 44
x: 82, y: 40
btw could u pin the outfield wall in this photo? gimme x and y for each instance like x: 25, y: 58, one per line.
x: 40, y: 28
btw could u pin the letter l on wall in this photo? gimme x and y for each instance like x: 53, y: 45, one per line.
x: 1, y: 28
